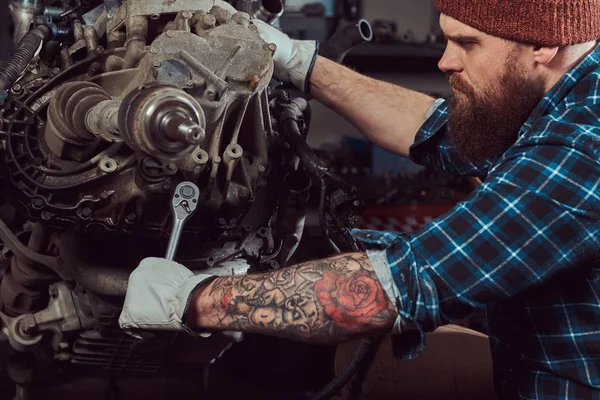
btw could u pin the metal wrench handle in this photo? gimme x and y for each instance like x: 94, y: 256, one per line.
x: 183, y: 206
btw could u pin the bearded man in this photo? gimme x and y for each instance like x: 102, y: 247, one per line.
x: 524, y: 245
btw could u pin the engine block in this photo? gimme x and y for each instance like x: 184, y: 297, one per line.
x: 122, y: 101
x: 109, y: 146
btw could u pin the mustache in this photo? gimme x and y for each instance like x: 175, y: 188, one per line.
x: 458, y: 84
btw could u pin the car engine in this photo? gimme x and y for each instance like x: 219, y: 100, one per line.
x: 106, y: 107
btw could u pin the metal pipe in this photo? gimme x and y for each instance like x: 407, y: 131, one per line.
x: 14, y: 244
x: 269, y: 10
x: 137, y: 32
x: 347, y: 37
x: 97, y: 278
x: 23, y: 14
x: 24, y: 288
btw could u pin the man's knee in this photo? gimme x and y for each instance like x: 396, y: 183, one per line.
x: 456, y: 364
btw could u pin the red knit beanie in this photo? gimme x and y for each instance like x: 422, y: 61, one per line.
x: 540, y: 22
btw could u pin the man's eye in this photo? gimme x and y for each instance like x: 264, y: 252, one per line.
x: 466, y: 45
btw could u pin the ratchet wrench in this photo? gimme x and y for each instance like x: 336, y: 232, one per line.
x: 183, y: 206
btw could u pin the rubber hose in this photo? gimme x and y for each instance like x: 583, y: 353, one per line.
x: 322, y: 220
x: 350, y: 369
x: 307, y: 119
x: 25, y: 52
x: 290, y: 129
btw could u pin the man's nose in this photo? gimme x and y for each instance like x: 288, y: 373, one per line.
x: 450, y: 62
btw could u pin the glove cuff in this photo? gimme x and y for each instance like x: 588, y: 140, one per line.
x: 301, y: 65
x: 185, y: 295
x: 311, y: 67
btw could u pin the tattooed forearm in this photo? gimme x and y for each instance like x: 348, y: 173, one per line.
x: 324, y: 301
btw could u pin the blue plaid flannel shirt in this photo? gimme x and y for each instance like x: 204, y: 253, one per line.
x: 524, y: 246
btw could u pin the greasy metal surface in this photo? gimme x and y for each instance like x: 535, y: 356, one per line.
x: 60, y: 315
x: 102, y: 120
x: 152, y: 7
x: 160, y: 354
x: 14, y: 329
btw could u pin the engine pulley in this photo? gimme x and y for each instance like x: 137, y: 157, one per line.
x: 161, y: 121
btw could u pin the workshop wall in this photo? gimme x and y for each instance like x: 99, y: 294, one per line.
x: 415, y: 19
x: 405, y: 51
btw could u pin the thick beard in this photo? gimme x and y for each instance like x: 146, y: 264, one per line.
x: 483, y: 127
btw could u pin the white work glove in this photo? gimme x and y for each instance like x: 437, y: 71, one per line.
x: 158, y: 296
x: 294, y: 59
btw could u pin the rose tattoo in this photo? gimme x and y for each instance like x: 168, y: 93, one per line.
x: 350, y: 300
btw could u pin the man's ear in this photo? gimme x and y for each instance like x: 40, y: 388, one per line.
x: 543, y: 55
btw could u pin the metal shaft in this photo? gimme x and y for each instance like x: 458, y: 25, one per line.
x: 175, y: 236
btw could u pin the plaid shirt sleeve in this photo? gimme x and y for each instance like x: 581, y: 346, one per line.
x: 433, y: 146
x: 536, y: 215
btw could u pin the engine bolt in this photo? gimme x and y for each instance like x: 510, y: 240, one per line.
x: 222, y: 221
x: 186, y: 15
x: 210, y: 94
x: 26, y: 325
x: 85, y: 213
x: 130, y: 218
x: 55, y: 71
x: 17, y: 88
x: 170, y: 34
x: 46, y: 215
x: 189, y: 82
x: 208, y: 21
x: 156, y: 64
x: 37, y: 202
